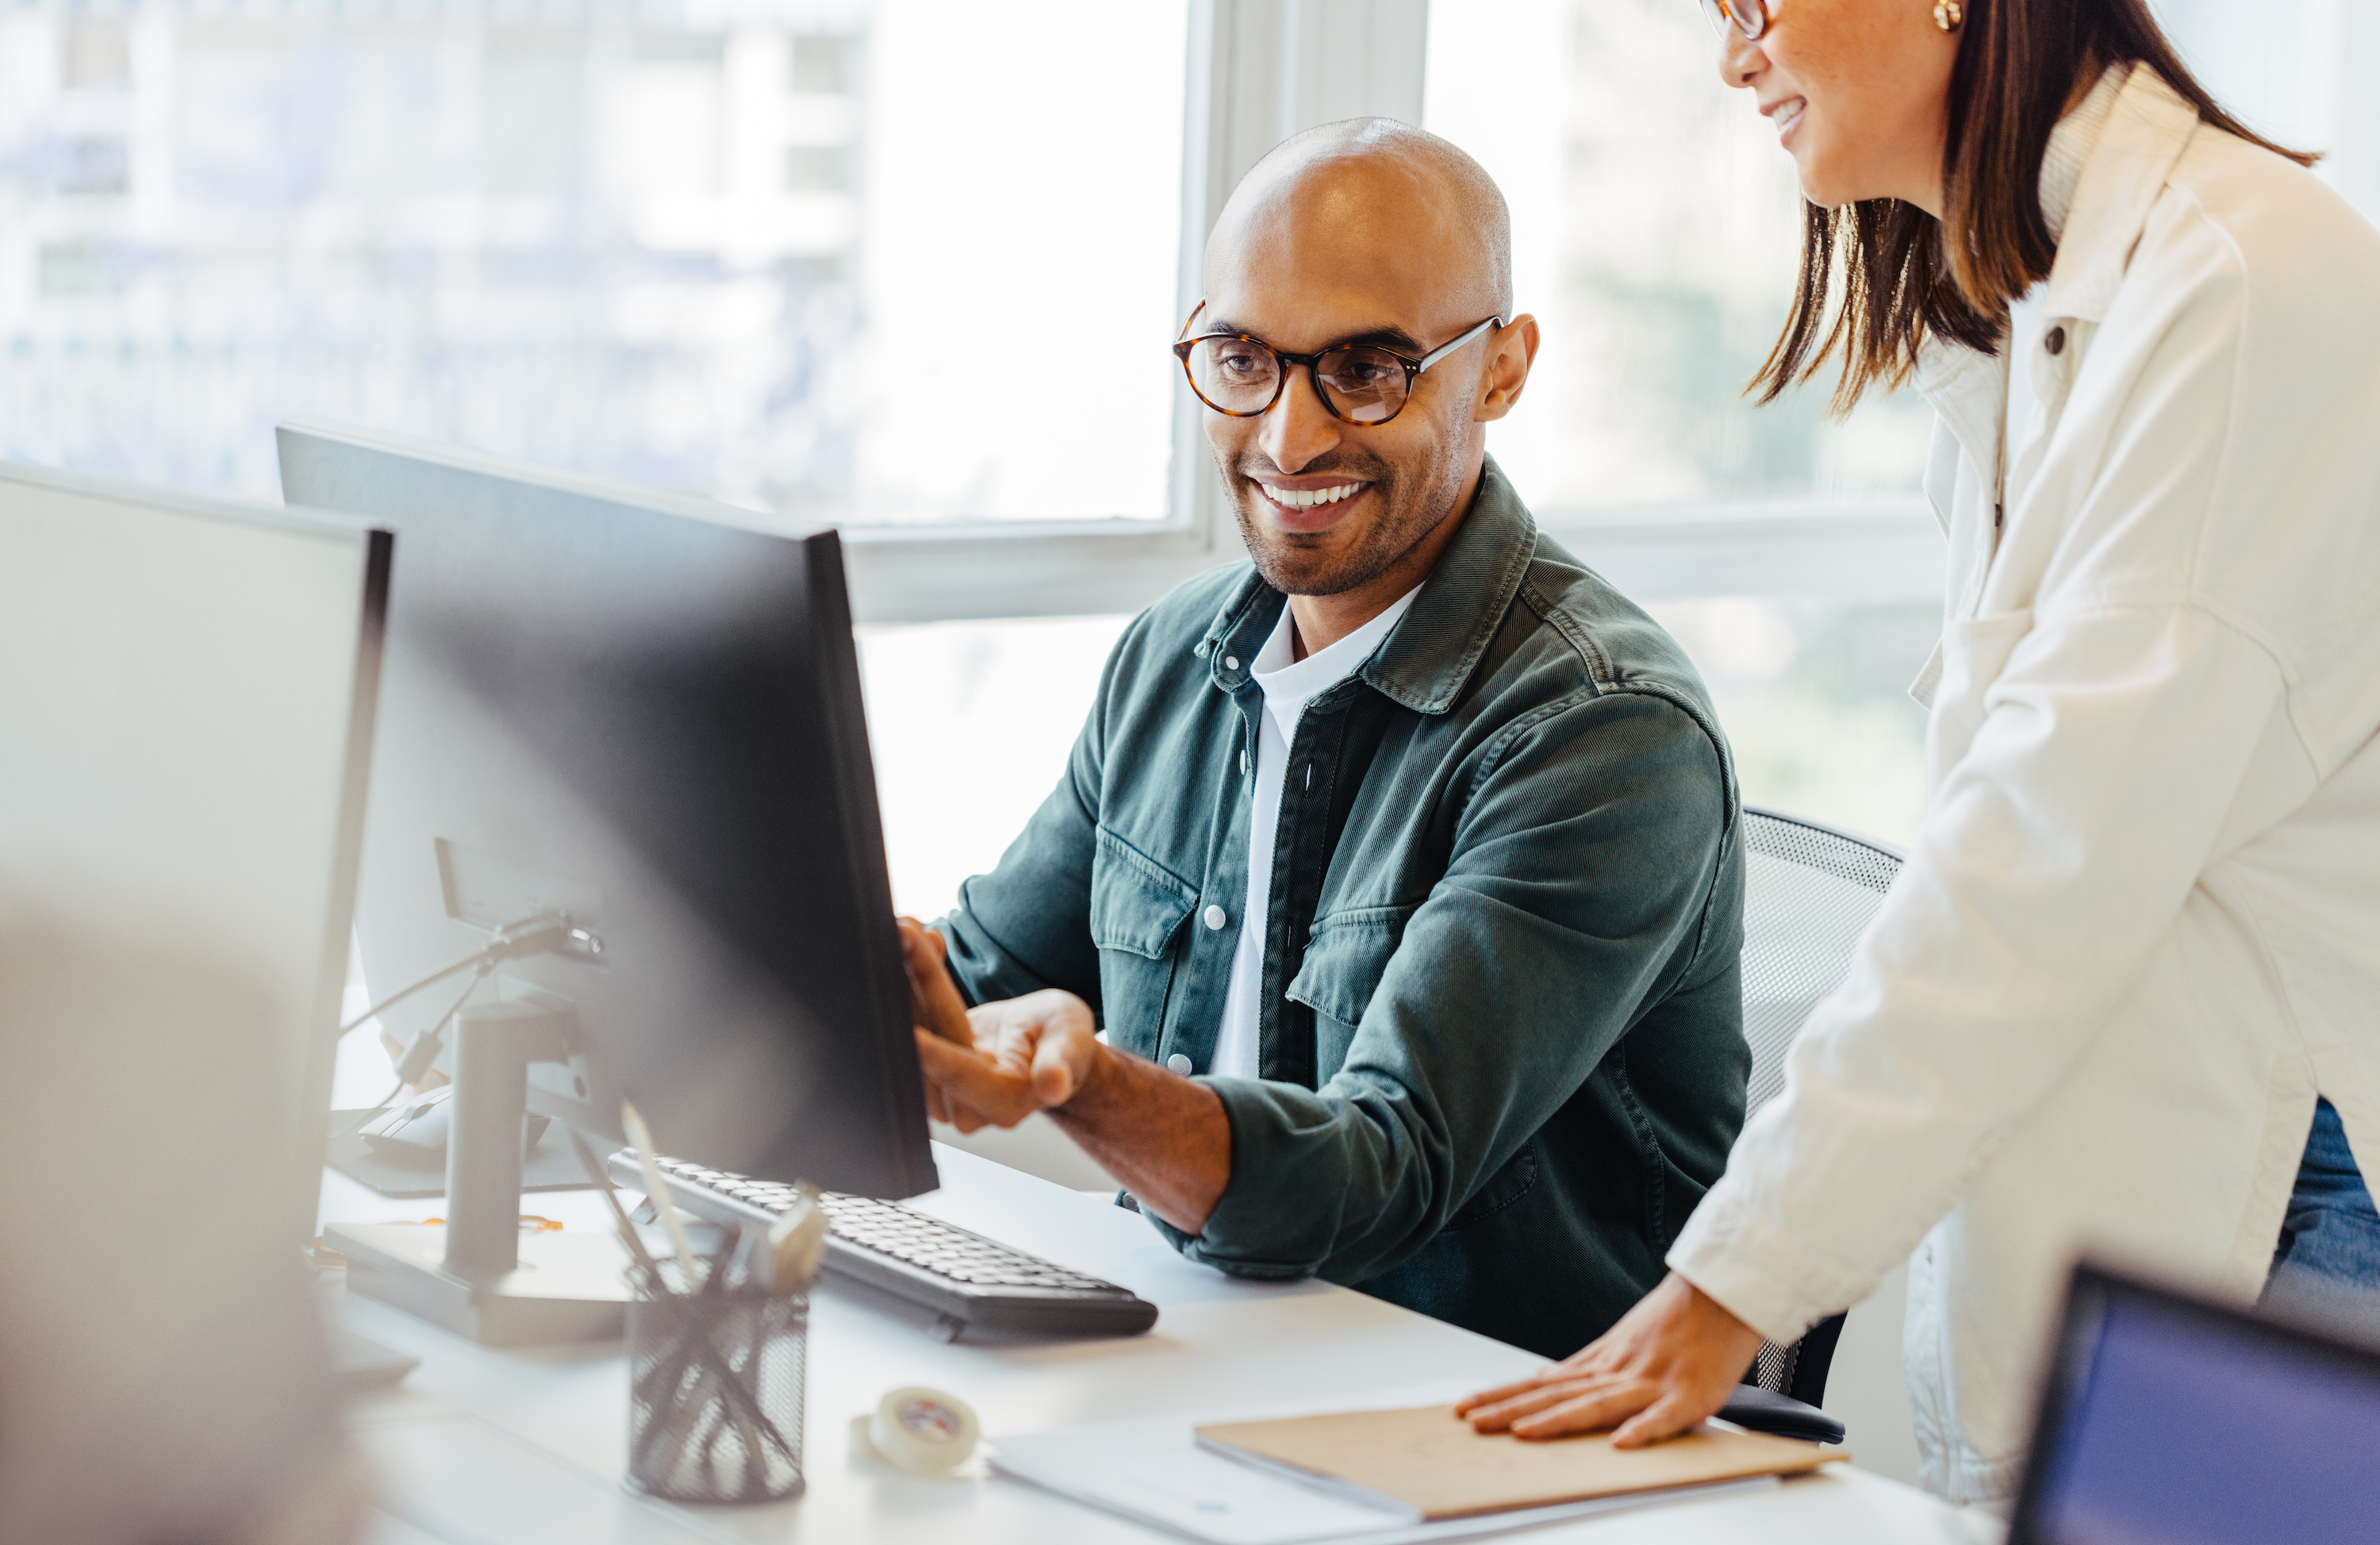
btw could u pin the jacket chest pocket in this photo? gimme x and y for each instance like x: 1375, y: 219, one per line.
x: 1974, y: 652
x: 1345, y: 957
x: 1137, y: 908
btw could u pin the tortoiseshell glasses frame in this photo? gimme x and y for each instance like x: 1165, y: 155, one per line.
x: 1338, y: 375
x: 1748, y: 16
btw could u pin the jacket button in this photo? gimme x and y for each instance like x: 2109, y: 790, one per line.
x: 2056, y: 342
x: 1177, y: 1062
x: 1232, y: 661
x: 1216, y: 917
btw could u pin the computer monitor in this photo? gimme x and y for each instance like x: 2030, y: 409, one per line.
x: 639, y: 710
x: 186, y: 691
x: 2173, y: 1418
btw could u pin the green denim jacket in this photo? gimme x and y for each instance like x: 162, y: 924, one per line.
x: 1501, y: 1040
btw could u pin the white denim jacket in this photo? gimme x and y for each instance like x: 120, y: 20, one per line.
x: 2139, y: 930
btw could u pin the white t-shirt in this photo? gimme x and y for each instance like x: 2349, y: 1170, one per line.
x: 1288, y: 685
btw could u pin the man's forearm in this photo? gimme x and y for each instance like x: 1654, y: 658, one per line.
x: 1165, y: 1137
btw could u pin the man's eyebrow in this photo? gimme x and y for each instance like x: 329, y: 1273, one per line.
x: 1389, y: 337
x: 1395, y: 338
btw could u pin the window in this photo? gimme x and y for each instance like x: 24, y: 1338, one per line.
x: 866, y: 261
x: 842, y: 260
x: 1814, y: 696
x: 971, y: 724
x: 2295, y: 70
x: 1656, y: 225
x: 1655, y: 228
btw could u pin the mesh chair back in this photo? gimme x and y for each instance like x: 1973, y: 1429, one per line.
x: 1809, y: 894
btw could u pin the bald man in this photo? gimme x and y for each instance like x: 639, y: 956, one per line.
x: 1400, y: 865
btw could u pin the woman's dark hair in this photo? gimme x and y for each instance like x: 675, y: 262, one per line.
x: 1906, y: 274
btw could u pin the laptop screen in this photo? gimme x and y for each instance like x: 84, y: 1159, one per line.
x: 2171, y: 1422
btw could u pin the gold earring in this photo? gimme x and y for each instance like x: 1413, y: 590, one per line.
x: 1947, y: 16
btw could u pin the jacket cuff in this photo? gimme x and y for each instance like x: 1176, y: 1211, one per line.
x: 1755, y: 1271
x: 1245, y: 1234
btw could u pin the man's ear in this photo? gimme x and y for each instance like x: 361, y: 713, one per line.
x: 1511, y: 351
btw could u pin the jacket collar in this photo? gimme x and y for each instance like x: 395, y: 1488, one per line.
x: 2126, y: 170
x: 1428, y: 656
x: 2144, y: 138
x: 2071, y: 140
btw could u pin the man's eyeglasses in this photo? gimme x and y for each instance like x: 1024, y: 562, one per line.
x: 1747, y: 17
x: 1242, y: 376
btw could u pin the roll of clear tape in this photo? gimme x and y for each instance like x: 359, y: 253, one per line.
x: 923, y: 1431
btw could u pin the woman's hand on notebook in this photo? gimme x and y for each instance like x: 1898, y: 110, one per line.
x: 1670, y: 1363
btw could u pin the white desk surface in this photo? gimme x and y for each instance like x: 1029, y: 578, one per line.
x: 1221, y: 1345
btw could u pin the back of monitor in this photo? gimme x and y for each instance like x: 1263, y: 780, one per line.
x: 639, y: 710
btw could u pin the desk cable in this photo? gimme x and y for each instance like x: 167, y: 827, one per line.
x: 541, y: 935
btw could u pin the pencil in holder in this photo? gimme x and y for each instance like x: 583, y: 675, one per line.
x: 715, y: 1394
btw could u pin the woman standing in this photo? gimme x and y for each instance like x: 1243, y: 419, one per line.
x: 2125, y: 997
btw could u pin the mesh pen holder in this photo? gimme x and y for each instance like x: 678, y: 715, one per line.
x: 715, y: 1395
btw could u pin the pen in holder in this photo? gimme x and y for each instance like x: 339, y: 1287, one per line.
x: 715, y: 1391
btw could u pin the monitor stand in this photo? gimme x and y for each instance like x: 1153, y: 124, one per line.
x: 478, y: 1275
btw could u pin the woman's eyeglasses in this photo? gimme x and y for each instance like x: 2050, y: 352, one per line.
x: 1242, y: 376
x: 1747, y: 17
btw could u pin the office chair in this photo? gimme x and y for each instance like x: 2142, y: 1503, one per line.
x: 1809, y: 893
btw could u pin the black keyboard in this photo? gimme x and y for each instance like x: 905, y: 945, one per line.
x: 969, y: 1282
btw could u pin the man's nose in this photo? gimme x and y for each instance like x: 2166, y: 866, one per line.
x: 1297, y: 428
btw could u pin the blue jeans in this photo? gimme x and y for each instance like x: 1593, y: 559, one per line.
x: 2328, y: 1261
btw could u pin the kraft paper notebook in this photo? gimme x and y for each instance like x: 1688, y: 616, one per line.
x: 1425, y: 1458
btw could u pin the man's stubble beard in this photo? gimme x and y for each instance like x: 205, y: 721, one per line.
x: 1404, y: 524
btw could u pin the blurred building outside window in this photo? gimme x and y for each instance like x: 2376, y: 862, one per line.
x: 839, y: 259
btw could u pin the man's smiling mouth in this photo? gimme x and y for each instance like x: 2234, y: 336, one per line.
x: 1306, y: 498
